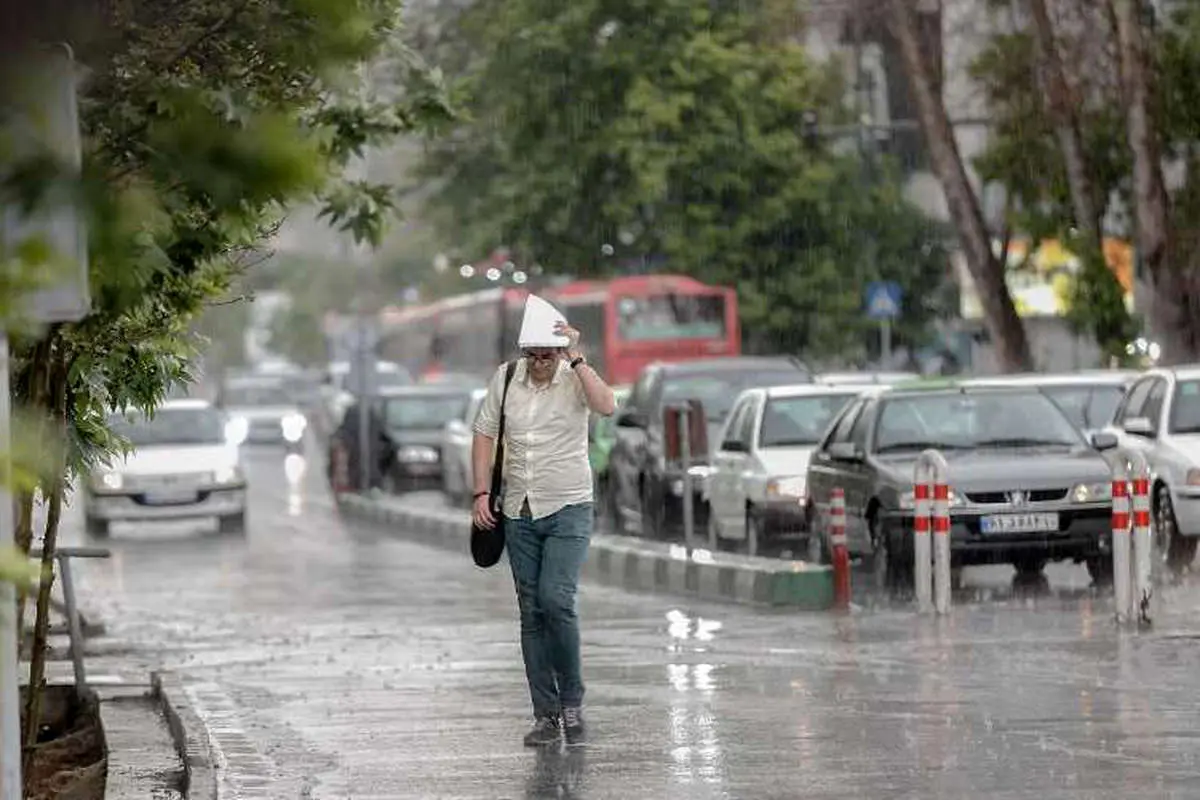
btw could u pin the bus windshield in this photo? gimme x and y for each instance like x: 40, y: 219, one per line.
x: 670, y: 316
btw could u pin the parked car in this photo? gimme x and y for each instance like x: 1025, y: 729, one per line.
x: 647, y: 492
x: 1159, y: 417
x: 601, y: 437
x: 758, y: 475
x: 263, y: 411
x: 336, y: 396
x: 183, y: 464
x: 414, y: 418
x: 865, y: 378
x: 1089, y: 398
x: 457, y: 437
x: 1026, y: 486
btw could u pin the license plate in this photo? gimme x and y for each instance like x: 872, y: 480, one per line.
x: 1020, y: 523
x: 168, y: 498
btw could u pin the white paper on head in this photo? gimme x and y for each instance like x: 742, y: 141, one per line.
x: 537, y: 328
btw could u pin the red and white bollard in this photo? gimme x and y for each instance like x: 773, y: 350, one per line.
x: 931, y: 517
x: 922, y: 549
x: 1120, y: 545
x: 941, y: 545
x: 1143, y: 544
x: 837, y: 545
x: 1132, y: 538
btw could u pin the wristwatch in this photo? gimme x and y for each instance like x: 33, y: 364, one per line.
x: 575, y: 362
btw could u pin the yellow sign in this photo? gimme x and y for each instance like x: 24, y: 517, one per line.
x: 1039, y: 283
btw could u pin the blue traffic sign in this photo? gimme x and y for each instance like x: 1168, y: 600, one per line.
x: 883, y: 299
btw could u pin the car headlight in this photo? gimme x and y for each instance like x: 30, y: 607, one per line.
x: 227, y: 475
x: 786, y: 487
x: 1092, y: 492
x: 908, y: 503
x: 293, y: 427
x: 112, y: 480
x: 1193, y: 477
x: 418, y: 455
x: 236, y: 430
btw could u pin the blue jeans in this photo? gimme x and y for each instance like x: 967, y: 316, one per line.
x: 546, y: 556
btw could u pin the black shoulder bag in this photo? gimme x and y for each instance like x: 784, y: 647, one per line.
x: 488, y: 544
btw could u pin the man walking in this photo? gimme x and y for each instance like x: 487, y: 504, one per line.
x: 546, y: 507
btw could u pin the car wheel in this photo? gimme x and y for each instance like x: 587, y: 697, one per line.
x: 1176, y: 551
x: 616, y: 522
x: 890, y: 574
x: 1029, y: 567
x: 96, y: 527
x: 1100, y: 569
x: 652, y: 513
x: 233, y: 523
x: 755, y: 532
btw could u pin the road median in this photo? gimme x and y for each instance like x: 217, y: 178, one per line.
x: 630, y: 563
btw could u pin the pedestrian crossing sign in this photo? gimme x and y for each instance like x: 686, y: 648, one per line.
x: 883, y: 299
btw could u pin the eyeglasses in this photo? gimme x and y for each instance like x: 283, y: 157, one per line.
x: 543, y: 355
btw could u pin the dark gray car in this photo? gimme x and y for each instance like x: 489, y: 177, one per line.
x: 1026, y: 486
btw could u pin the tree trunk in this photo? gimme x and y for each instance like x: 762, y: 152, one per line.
x: 1064, y: 113
x: 1171, y: 295
x: 1098, y: 298
x: 1000, y: 315
x: 41, y: 628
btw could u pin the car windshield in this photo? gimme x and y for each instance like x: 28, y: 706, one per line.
x: 799, y: 421
x: 978, y: 420
x: 1185, y: 408
x: 1089, y: 407
x: 717, y: 390
x: 171, y: 426
x: 425, y: 412
x: 256, y: 395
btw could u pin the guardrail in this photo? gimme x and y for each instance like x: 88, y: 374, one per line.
x: 931, y: 516
x: 1133, y: 583
x: 63, y: 556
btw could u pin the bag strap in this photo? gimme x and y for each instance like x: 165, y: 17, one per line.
x: 498, y: 460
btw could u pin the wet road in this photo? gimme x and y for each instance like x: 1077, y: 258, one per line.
x: 332, y: 662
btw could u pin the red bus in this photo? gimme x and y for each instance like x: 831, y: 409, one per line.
x: 626, y: 323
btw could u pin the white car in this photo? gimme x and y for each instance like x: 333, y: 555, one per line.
x: 263, y: 411
x: 1160, y: 418
x: 457, y: 437
x: 184, y: 463
x: 756, y: 483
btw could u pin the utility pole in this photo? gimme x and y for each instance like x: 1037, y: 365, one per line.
x: 864, y: 121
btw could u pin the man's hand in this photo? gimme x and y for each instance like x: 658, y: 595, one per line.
x: 481, y: 514
x: 572, y: 349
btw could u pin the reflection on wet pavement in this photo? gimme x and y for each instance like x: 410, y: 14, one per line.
x: 334, y: 662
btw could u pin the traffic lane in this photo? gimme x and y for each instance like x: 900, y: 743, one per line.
x: 360, y: 665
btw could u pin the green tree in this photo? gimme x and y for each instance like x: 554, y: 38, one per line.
x: 676, y: 135
x: 1116, y: 63
x: 297, y: 334
x: 203, y: 122
x: 1058, y: 149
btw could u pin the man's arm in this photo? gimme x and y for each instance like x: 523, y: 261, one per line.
x: 596, y: 393
x: 482, y: 450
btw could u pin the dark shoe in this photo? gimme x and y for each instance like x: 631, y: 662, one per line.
x: 573, y: 725
x: 545, y: 732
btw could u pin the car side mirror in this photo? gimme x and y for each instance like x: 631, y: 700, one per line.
x: 845, y: 451
x: 1103, y: 440
x: 631, y: 419
x: 1139, y: 426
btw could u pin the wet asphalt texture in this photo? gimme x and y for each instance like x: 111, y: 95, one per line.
x: 334, y: 660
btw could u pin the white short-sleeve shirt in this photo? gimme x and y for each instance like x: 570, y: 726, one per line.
x: 545, y: 440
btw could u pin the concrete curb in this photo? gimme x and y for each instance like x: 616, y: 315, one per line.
x: 630, y: 563
x: 190, y: 735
